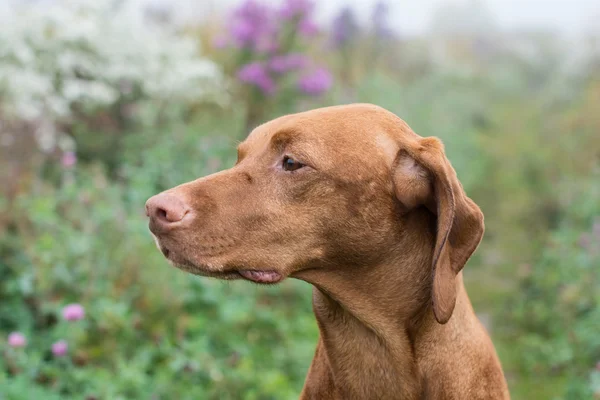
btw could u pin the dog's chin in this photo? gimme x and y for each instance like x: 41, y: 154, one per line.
x: 206, y: 269
x: 205, y: 272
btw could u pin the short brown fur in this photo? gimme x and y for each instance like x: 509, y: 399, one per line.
x: 379, y: 224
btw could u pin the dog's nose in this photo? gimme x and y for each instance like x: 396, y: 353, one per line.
x: 165, y: 209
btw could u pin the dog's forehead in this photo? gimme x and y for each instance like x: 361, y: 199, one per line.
x: 352, y: 131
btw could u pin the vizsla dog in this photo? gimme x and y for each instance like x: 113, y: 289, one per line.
x: 351, y: 200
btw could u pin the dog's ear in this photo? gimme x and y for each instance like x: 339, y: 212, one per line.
x: 422, y: 175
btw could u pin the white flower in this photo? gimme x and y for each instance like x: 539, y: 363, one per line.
x: 56, y: 55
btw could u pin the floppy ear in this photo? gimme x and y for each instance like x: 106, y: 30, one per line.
x: 424, y: 176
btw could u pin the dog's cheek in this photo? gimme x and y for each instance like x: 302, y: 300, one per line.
x: 362, y: 227
x: 302, y: 190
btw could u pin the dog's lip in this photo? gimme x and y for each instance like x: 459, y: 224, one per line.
x: 257, y: 276
x: 261, y: 276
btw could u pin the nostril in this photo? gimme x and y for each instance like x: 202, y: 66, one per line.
x: 161, y: 214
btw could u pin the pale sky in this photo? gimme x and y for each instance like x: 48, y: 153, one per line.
x: 414, y: 16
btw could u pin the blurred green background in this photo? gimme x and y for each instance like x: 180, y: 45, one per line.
x: 105, y: 103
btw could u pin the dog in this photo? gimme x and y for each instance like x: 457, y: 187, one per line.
x: 351, y: 200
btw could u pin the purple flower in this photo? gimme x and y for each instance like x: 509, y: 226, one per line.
x: 17, y: 339
x: 345, y: 28
x: 60, y: 348
x: 379, y: 20
x: 69, y: 159
x: 296, y: 8
x: 308, y: 28
x: 73, y: 312
x: 316, y: 82
x: 267, y: 44
x: 251, y: 22
x: 243, y: 33
x: 288, y: 62
x: 256, y: 74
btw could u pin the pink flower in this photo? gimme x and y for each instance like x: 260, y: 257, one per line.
x: 256, y: 74
x: 315, y: 83
x: 294, y: 8
x: 69, y: 159
x: 250, y: 23
x: 60, y: 348
x: 17, y: 339
x: 288, y: 62
x: 266, y: 45
x: 308, y: 28
x: 73, y: 312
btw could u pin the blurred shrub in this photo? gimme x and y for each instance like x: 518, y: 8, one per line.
x: 358, y: 49
x: 150, y: 331
x: 520, y: 127
x: 72, y: 65
x: 556, y: 314
x: 527, y: 158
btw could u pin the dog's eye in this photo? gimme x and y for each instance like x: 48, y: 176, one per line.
x: 289, y: 164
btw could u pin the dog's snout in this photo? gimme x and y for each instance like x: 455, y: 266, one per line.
x: 165, y: 209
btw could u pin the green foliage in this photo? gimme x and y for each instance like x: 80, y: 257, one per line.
x: 151, y: 330
x: 537, y: 268
x: 558, y: 311
x: 522, y: 135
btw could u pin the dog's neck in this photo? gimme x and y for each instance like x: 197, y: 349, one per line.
x: 370, y: 324
x: 371, y: 347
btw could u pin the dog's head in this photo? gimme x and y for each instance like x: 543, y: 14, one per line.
x: 328, y: 188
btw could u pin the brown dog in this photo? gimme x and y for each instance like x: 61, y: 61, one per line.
x: 351, y: 200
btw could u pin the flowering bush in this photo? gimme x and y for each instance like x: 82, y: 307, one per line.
x: 71, y: 56
x: 267, y: 49
x: 22, y: 358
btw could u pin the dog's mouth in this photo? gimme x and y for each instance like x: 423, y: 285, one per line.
x: 257, y: 276
x: 261, y: 276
